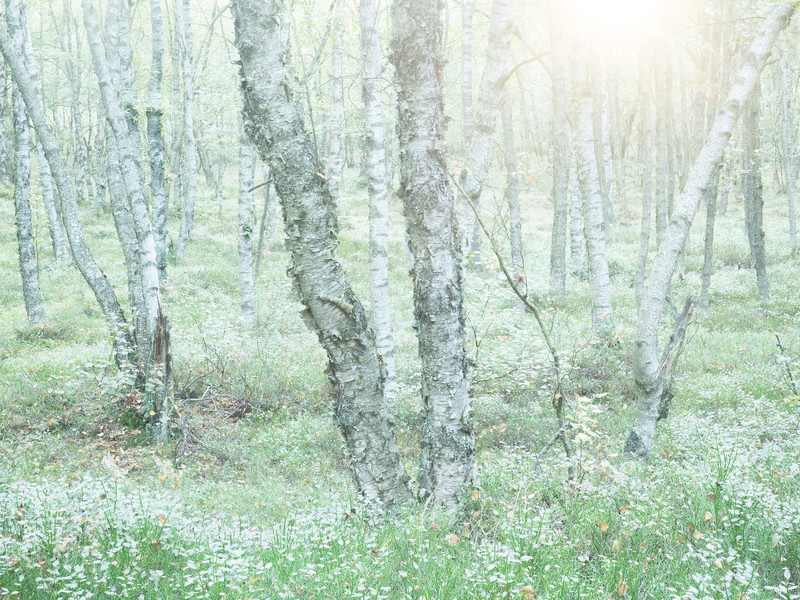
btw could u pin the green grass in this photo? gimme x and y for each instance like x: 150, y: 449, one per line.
x: 260, y: 505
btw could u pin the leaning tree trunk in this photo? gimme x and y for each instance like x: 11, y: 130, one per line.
x: 562, y: 157
x: 651, y: 388
x: 26, y: 244
x: 480, y: 151
x: 98, y: 282
x: 374, y: 161
x: 754, y: 195
x: 189, y: 180
x: 247, y: 294
x: 447, y: 467
x: 331, y: 307
x: 155, y: 139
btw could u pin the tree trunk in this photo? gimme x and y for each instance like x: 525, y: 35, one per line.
x: 753, y: 194
x: 6, y: 158
x: 447, y: 468
x: 96, y: 279
x: 708, y: 250
x: 246, y: 226
x: 331, y: 307
x: 646, y: 157
x: 336, y: 106
x: 155, y: 140
x: 512, y: 197
x: 576, y: 252
x: 374, y: 162
x: 26, y: 245
x: 183, y: 27
x: 481, y: 149
x: 467, y: 10
x: 661, y: 149
x: 788, y: 144
x: 593, y: 222
x: 650, y: 385
x: 562, y: 156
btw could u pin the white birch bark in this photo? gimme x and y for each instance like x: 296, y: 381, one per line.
x: 576, y: 251
x: 646, y: 364
x: 593, y: 221
x: 93, y: 275
x: 562, y: 155
x: 336, y: 106
x: 374, y: 156
x: 309, y: 211
x: 512, y: 197
x: 788, y: 144
x: 481, y: 149
x: 155, y: 139
x: 646, y: 127
x: 188, y: 196
x: 247, y: 294
x: 467, y: 11
x: 447, y: 467
x: 26, y: 243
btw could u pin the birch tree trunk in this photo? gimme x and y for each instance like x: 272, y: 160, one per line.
x: 593, y: 222
x: 562, y: 156
x: 646, y: 128
x: 331, y: 307
x: 94, y: 276
x: 6, y: 158
x: 481, y: 149
x: 467, y: 124
x: 336, y: 106
x: 155, y: 140
x: 247, y: 293
x: 188, y: 196
x: 753, y: 194
x: 26, y: 244
x: 447, y: 468
x: 788, y: 144
x: 375, y: 165
x: 512, y: 197
x: 661, y: 149
x: 576, y: 251
x: 647, y: 369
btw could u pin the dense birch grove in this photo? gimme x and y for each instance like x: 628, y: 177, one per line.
x: 573, y: 160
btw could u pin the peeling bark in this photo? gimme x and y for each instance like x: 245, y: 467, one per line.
x: 447, y: 468
x: 331, y: 307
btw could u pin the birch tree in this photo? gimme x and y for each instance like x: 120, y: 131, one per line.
x: 246, y: 227
x: 183, y: 33
x: 447, y: 468
x: 651, y: 384
x: 332, y: 309
x: 26, y: 245
x: 374, y: 156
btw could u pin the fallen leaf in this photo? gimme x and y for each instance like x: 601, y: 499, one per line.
x: 708, y: 516
x: 622, y: 587
x: 452, y: 539
x: 527, y: 592
x: 603, y: 526
x: 698, y: 534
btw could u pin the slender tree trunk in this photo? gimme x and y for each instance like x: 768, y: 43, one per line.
x: 26, y: 244
x: 6, y: 150
x: 96, y: 279
x: 155, y: 140
x: 482, y: 147
x: 246, y: 226
x: 661, y: 149
x: 447, y: 467
x: 646, y: 128
x: 708, y: 254
x: 600, y: 129
x: 562, y: 156
x: 374, y: 163
x: 336, y: 106
x: 788, y: 144
x: 576, y: 253
x: 593, y: 223
x: 189, y: 182
x: 467, y: 10
x: 753, y: 194
x: 512, y: 197
x: 331, y: 307
x: 647, y: 368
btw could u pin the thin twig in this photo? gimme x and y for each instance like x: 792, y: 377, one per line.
x: 786, y: 364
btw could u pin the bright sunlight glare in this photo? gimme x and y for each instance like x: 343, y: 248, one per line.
x: 608, y: 20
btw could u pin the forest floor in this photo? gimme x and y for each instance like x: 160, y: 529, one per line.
x: 252, y: 499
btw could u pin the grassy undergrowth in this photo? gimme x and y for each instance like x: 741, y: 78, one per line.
x: 257, y: 503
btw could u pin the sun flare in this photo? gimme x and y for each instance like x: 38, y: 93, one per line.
x: 618, y: 20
